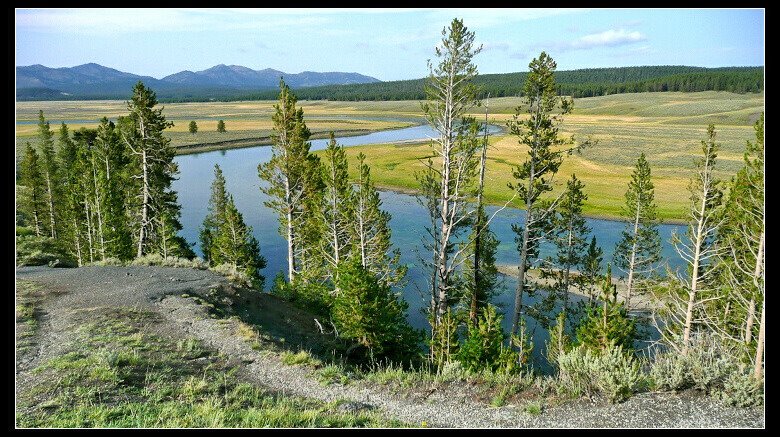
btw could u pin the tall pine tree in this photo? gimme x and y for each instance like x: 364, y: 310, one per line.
x: 539, y: 133
x: 32, y: 197
x: 335, y: 213
x: 370, y: 231
x: 153, y: 205
x: 639, y: 247
x: 49, y: 169
x: 289, y: 175
x: 216, y: 209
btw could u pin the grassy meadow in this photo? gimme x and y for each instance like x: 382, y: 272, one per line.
x: 668, y: 127
x: 242, y: 119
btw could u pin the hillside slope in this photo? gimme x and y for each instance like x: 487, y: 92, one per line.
x: 179, y: 304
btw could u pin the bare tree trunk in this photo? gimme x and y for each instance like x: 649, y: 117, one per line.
x: 758, y: 367
x: 478, y: 223
x: 37, y: 223
x: 145, y: 202
x: 749, y: 324
x: 567, y: 271
x: 632, y: 261
x: 51, y: 205
x: 521, y: 275
x: 78, y: 241
x: 99, y: 216
x: 692, y: 294
x: 290, y: 246
x: 88, y: 214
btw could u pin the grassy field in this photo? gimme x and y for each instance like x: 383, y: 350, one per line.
x: 242, y: 119
x: 668, y: 127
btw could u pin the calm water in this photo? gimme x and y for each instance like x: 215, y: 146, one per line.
x: 408, y: 217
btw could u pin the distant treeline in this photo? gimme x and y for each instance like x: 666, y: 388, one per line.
x: 587, y: 82
x: 577, y: 83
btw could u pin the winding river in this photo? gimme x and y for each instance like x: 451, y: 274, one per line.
x: 408, y: 217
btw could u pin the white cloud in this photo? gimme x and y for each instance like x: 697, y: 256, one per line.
x: 96, y: 21
x: 480, y: 18
x: 607, y: 38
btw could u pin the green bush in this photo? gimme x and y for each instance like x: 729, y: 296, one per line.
x: 559, y: 342
x: 39, y: 251
x: 367, y: 312
x: 483, y: 348
x: 705, y: 367
x: 597, y: 332
x: 585, y: 371
x: 742, y: 390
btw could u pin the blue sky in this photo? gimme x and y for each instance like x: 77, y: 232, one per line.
x: 389, y: 44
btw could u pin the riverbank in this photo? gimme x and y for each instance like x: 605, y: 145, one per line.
x: 263, y: 141
x: 640, y: 303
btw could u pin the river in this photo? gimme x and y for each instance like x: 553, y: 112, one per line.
x: 408, y: 221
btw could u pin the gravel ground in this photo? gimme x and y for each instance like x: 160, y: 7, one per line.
x: 159, y: 289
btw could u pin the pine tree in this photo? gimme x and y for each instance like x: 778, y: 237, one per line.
x: 288, y: 175
x: 698, y: 250
x: 640, y: 245
x: 590, y: 270
x: 480, y: 285
x: 193, y: 127
x: 484, y: 243
x: 32, y: 199
x: 483, y: 348
x: 235, y: 245
x: 450, y: 95
x: 335, y: 213
x: 216, y: 212
x: 49, y: 169
x: 221, y: 126
x: 368, y: 312
x: 570, y: 239
x: 740, y: 266
x: 109, y: 165
x: 370, y: 233
x: 72, y: 210
x: 152, y: 170
x: 539, y: 133
x: 84, y: 178
x: 607, y: 324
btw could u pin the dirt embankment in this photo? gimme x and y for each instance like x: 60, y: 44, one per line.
x: 181, y: 297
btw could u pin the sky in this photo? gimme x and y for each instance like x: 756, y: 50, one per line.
x: 388, y: 44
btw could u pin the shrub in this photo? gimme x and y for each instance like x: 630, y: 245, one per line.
x: 705, y: 367
x: 742, y: 390
x: 560, y: 342
x: 585, y: 371
x: 483, y: 348
x: 367, y: 312
x: 39, y: 251
x: 597, y: 331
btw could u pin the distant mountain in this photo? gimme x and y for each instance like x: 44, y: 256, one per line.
x: 92, y: 80
x: 236, y: 76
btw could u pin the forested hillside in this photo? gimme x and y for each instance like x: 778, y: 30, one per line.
x: 587, y: 82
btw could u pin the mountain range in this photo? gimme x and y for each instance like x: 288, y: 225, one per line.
x: 96, y: 81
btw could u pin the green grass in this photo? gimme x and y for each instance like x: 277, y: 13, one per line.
x: 114, y: 373
x: 668, y: 127
x: 533, y: 408
x: 242, y: 119
x: 656, y: 126
x: 300, y: 358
